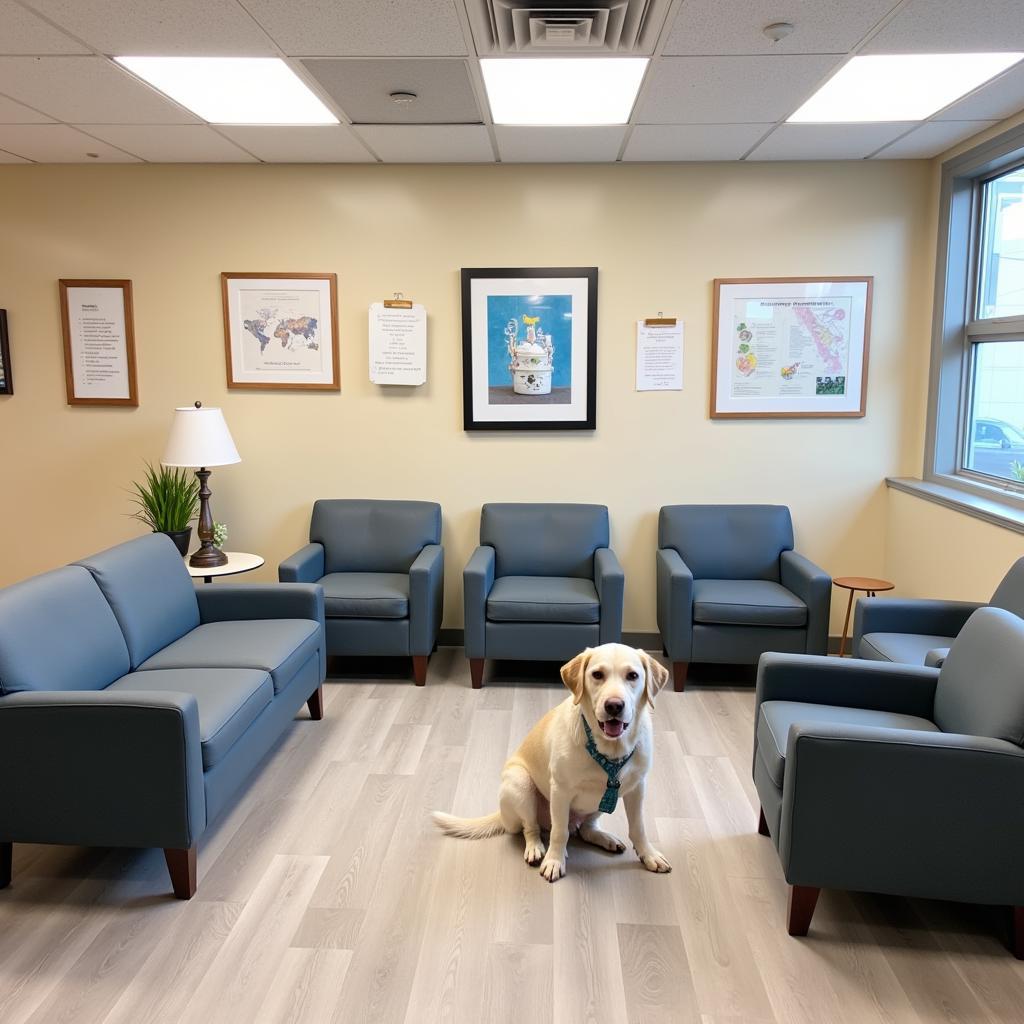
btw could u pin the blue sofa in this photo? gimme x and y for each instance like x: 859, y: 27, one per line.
x: 133, y: 705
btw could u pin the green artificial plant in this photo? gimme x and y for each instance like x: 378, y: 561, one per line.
x: 168, y: 499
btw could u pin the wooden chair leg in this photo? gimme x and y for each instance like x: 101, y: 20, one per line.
x: 181, y: 866
x: 1017, y: 936
x: 802, y: 899
x: 316, y: 704
x: 679, y: 670
x: 419, y: 668
x: 6, y: 864
x: 476, y: 670
x: 762, y: 825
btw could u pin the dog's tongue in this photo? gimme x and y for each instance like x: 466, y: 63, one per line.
x: 613, y: 727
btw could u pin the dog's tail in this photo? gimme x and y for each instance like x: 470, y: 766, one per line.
x: 469, y: 828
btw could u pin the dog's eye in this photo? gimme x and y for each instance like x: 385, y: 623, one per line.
x: 597, y: 674
x: 631, y: 675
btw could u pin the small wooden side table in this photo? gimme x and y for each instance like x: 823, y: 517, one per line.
x: 238, y: 561
x: 853, y: 584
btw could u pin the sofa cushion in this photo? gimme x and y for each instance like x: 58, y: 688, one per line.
x: 366, y: 595
x: 146, y: 583
x: 905, y: 648
x: 278, y: 646
x: 57, y: 632
x: 746, y: 603
x: 776, y: 717
x: 543, y: 599
x: 229, y: 700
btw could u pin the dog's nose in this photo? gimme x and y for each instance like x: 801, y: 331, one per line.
x: 614, y: 707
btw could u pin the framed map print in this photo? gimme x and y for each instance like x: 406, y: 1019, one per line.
x: 281, y: 331
x: 790, y: 346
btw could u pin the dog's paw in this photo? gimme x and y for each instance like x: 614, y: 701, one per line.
x: 552, y: 869
x: 654, y: 861
x: 534, y: 853
x: 594, y: 836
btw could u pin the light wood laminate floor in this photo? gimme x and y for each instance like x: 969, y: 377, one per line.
x: 326, y: 895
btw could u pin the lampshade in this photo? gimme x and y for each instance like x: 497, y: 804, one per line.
x: 199, y: 437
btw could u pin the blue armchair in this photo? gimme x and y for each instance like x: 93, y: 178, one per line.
x: 542, y: 585
x: 381, y: 566
x: 730, y: 587
x: 898, y: 779
x: 920, y: 631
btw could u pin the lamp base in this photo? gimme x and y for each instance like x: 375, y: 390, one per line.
x: 208, y: 557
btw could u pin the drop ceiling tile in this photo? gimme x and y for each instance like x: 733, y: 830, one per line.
x: 819, y: 26
x: 952, y: 26
x: 932, y: 138
x: 559, y: 145
x: 692, y: 141
x: 730, y: 90
x: 355, y: 28
x: 10, y: 158
x: 86, y: 90
x: 23, y: 32
x: 327, y: 144
x: 429, y: 143
x: 172, y: 143
x: 1002, y: 97
x: 17, y: 113
x: 58, y: 144
x: 362, y: 87
x: 827, y: 141
x: 138, y: 28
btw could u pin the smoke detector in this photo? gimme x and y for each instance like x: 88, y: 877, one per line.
x: 402, y: 97
x: 777, y: 30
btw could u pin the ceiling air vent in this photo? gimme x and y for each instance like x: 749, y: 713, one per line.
x: 567, y: 26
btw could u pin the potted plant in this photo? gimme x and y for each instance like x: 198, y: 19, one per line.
x: 168, y: 501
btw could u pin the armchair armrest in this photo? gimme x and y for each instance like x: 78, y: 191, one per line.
x: 892, y: 810
x: 908, y: 615
x: 675, y: 603
x: 305, y: 566
x: 101, y: 768
x: 610, y: 582
x: 426, y: 598
x: 814, y: 587
x: 477, y: 580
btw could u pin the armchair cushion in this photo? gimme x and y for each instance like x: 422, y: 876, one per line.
x: 746, y: 603
x: 543, y: 599
x: 777, y: 716
x: 544, y: 539
x: 1010, y: 592
x: 278, y: 646
x: 906, y: 648
x: 229, y: 701
x: 366, y: 595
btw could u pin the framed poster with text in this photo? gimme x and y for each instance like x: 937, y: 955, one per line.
x: 99, y: 342
x: 790, y: 347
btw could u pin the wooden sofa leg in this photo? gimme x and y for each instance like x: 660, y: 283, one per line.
x: 679, y: 670
x: 762, y: 825
x: 316, y: 704
x: 476, y: 670
x: 6, y: 864
x: 802, y: 899
x: 419, y: 668
x: 181, y: 866
x: 1016, y: 936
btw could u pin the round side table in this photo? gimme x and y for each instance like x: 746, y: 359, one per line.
x: 238, y: 561
x: 870, y: 586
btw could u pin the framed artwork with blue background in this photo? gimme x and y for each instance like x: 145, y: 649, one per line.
x: 529, y: 348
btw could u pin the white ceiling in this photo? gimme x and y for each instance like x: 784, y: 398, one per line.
x: 717, y: 87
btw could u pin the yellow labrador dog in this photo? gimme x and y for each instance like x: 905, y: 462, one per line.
x: 577, y: 760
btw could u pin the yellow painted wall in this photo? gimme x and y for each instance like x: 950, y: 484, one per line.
x: 658, y: 233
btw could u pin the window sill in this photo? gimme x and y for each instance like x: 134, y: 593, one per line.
x: 1006, y: 514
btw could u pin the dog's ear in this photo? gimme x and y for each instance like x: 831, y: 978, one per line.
x: 574, y: 672
x: 655, y: 675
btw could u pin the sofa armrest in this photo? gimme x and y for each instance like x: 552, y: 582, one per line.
x: 675, y: 603
x: 814, y: 587
x: 477, y: 580
x: 305, y: 566
x: 892, y: 810
x: 101, y: 768
x: 610, y: 582
x: 426, y: 598
x: 229, y: 602
x: 909, y: 615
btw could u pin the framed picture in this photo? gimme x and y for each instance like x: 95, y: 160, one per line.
x: 6, y: 378
x: 529, y: 348
x: 281, y: 331
x: 790, y: 346
x: 97, y: 322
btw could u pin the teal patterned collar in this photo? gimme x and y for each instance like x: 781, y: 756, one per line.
x: 611, y: 766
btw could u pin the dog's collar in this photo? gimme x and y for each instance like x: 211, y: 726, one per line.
x: 611, y: 767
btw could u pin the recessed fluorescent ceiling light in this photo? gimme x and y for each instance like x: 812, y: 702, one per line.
x: 233, y: 90
x: 564, y: 91
x: 900, y: 87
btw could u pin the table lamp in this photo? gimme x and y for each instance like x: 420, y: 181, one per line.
x: 200, y: 437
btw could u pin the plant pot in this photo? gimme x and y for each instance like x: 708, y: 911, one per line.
x: 181, y: 538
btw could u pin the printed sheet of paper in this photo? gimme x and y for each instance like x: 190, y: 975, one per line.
x: 398, y: 345
x: 659, y: 357
x: 99, y: 343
